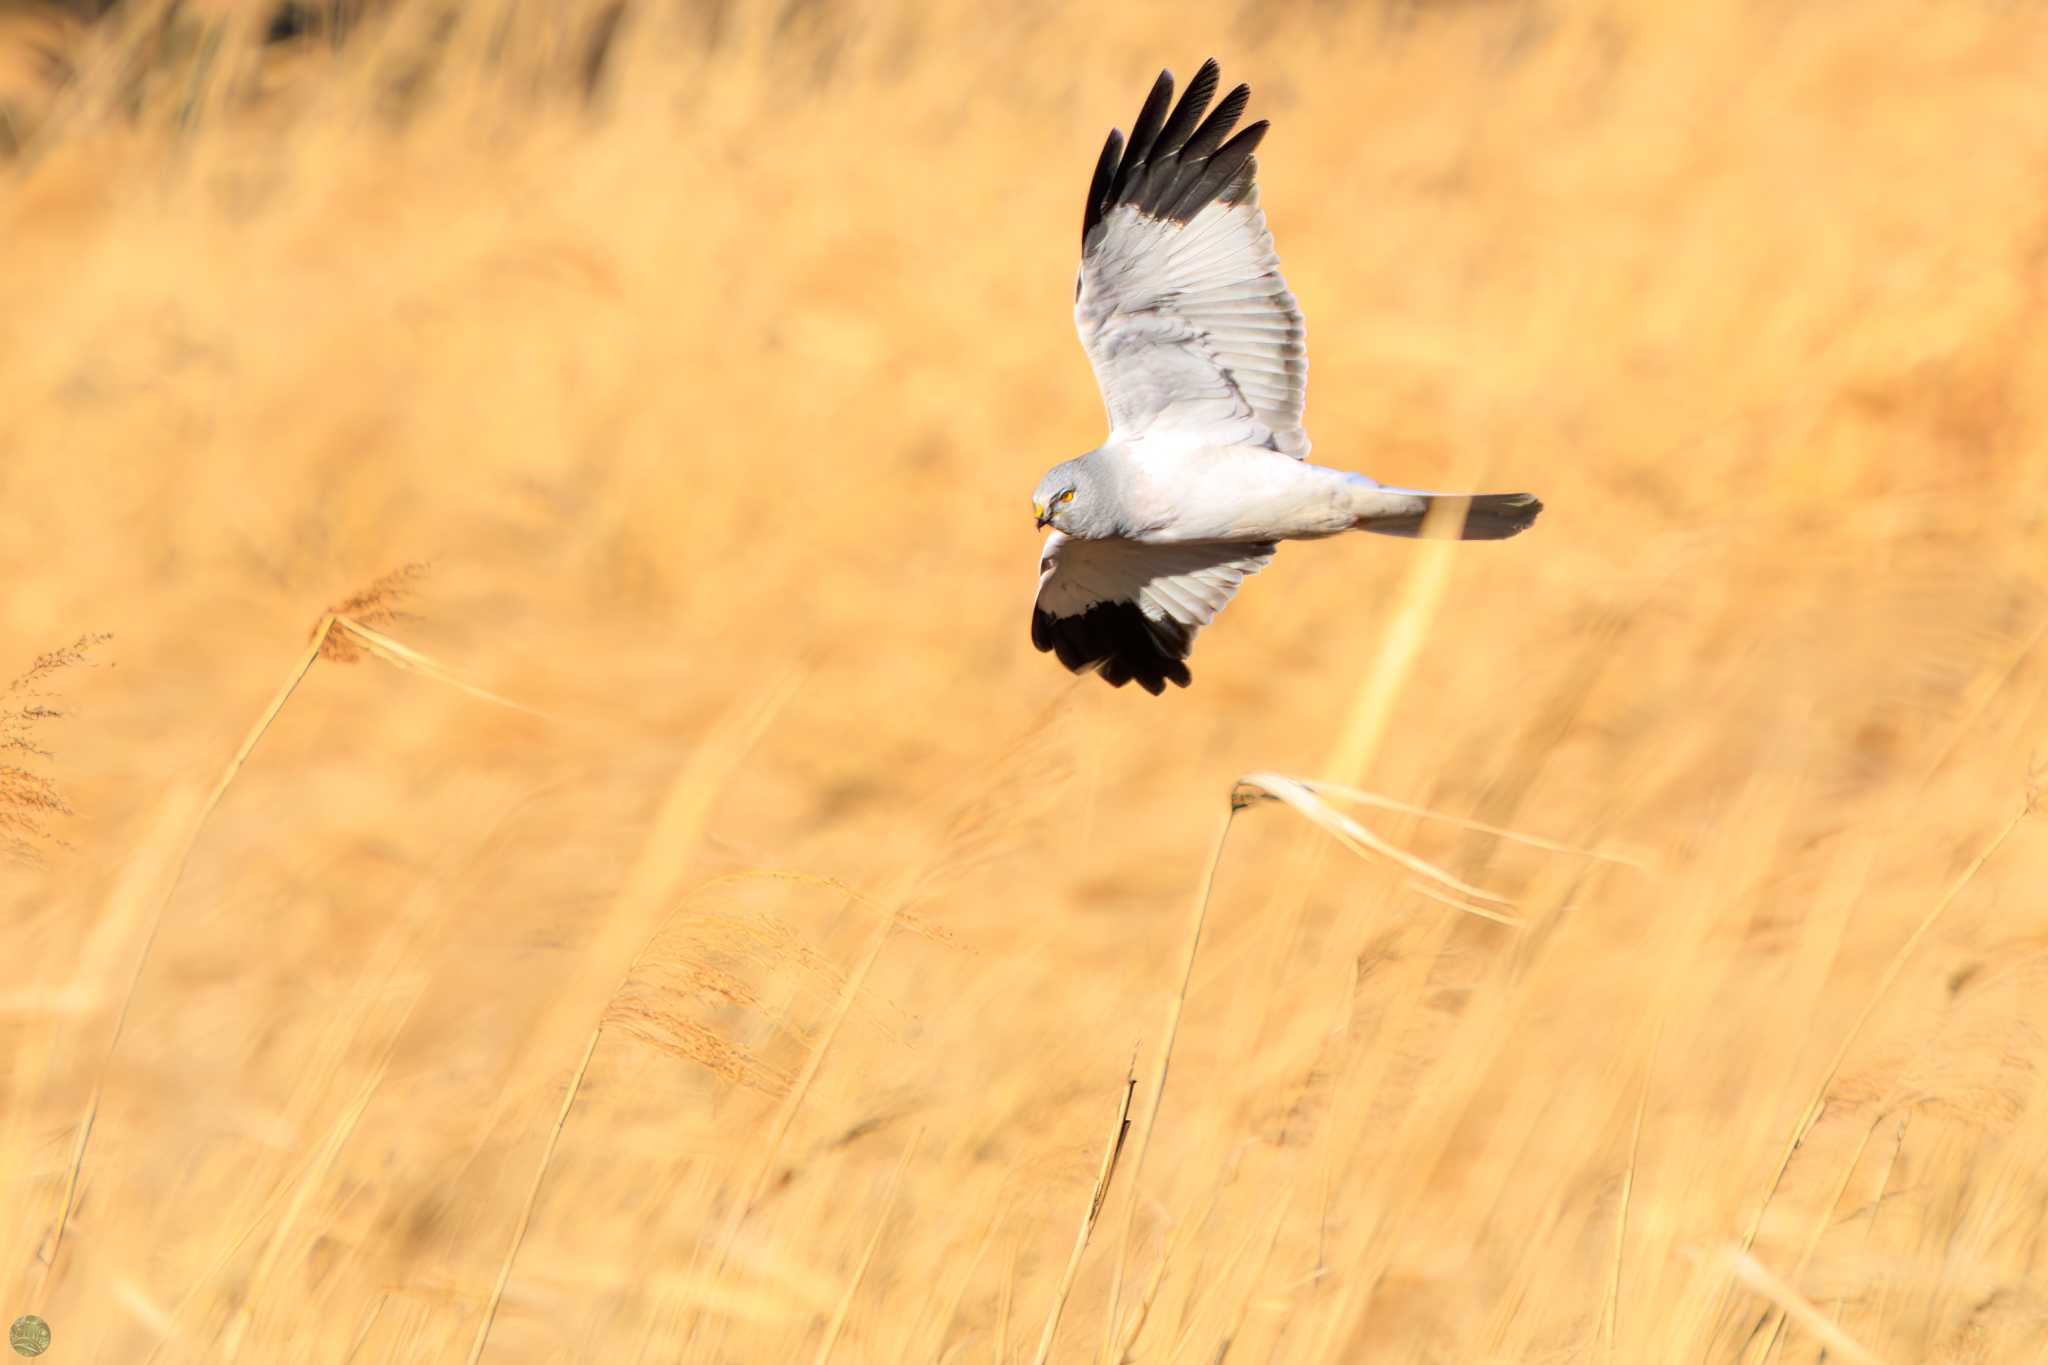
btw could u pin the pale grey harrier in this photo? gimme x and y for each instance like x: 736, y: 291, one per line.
x: 1197, y: 346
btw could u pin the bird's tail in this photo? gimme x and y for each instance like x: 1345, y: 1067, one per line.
x: 1487, y: 516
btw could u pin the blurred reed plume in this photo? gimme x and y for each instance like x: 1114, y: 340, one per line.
x: 29, y: 799
x: 379, y: 604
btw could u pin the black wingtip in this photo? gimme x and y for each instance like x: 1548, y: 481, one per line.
x: 1098, y: 189
x: 1194, y: 102
x: 1118, y: 642
x: 1204, y: 141
x: 1151, y: 117
x: 1177, y: 162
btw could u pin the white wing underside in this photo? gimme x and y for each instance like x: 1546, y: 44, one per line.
x: 1132, y: 609
x: 1192, y: 330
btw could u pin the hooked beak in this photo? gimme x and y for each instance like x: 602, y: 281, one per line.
x: 1043, y: 517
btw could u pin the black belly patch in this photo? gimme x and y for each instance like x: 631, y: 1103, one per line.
x: 1120, y: 641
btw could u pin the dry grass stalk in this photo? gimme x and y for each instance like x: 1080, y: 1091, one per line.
x: 369, y: 1325
x: 1142, y: 1312
x: 1371, y: 711
x: 1302, y: 799
x: 1610, y: 1313
x: 1251, y: 1287
x: 1890, y: 978
x: 175, y: 820
x: 1365, y: 798
x: 1754, y: 1276
x: 867, y: 1257
x: 1823, y: 1219
x: 296, y: 1207
x: 1006, y: 1298
x: 785, y: 1114
x: 1192, y: 1321
x: 1175, y: 1003
x: 1360, y: 840
x: 526, y: 1208
x: 1104, y: 1173
x: 125, y: 931
x: 1367, y: 718
x: 405, y: 656
x: 1188, y: 1228
x: 1442, y: 897
x: 951, y: 1315
x: 347, y: 1024
x: 1884, y: 1184
x: 322, y: 632
x: 655, y: 878
x: 1407, y: 629
x: 241, y: 756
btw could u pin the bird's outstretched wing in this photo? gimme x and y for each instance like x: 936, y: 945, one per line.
x: 1132, y: 609
x: 1180, y: 304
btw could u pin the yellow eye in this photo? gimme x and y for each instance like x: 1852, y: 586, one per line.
x: 1066, y: 497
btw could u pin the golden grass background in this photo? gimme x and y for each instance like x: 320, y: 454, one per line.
x: 714, y: 401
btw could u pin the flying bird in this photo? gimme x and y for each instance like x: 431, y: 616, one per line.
x: 1198, y: 348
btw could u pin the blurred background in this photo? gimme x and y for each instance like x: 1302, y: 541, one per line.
x: 761, y: 984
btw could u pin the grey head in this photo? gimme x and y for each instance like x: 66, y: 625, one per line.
x: 1078, y: 498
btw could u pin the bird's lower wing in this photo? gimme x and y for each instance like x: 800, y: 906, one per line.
x: 1131, y: 610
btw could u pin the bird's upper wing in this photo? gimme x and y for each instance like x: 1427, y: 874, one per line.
x: 1180, y: 304
x: 1132, y: 609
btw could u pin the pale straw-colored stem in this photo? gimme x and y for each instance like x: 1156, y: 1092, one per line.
x: 1103, y: 1175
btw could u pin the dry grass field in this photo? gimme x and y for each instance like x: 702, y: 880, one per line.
x: 684, y: 920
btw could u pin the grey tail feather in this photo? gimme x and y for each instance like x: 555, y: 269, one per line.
x: 1488, y: 516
